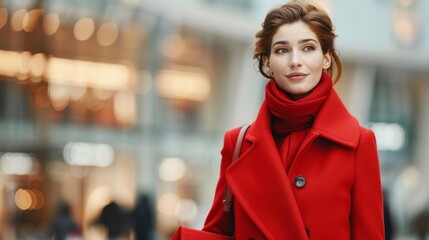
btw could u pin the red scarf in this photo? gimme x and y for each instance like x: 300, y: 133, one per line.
x: 289, y: 115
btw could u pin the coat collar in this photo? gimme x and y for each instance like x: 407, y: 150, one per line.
x: 333, y: 122
x: 258, y: 179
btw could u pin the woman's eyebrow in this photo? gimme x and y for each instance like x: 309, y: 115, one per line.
x: 282, y: 42
x: 307, y: 40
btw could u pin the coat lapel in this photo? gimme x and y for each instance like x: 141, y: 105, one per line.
x: 261, y: 186
x: 333, y: 122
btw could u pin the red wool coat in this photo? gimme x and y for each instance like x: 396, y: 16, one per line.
x: 337, y: 195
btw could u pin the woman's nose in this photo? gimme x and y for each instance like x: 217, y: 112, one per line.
x: 295, y: 60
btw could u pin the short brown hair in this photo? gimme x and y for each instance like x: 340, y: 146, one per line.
x: 315, y: 18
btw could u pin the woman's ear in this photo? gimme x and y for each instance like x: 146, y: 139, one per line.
x: 327, y: 60
x: 267, y: 68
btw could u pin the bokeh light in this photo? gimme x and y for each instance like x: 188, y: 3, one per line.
x: 29, y: 199
x: 168, y: 203
x: 83, y: 29
x: 172, y: 169
x: 3, y: 17
x: 30, y: 20
x: 17, y: 20
x: 51, y: 23
x: 107, y: 34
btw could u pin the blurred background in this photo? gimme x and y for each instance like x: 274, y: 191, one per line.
x: 112, y: 112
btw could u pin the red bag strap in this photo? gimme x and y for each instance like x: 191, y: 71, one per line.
x: 227, y: 200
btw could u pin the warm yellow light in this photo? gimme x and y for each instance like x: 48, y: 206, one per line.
x: 102, y: 94
x: 77, y: 92
x: 23, y: 199
x: 187, y: 84
x: 106, y: 77
x: 9, y: 63
x: 83, y: 29
x: 34, y: 199
x: 59, y: 96
x: 405, y: 26
x: 40, y: 198
x: 38, y: 64
x: 107, y: 34
x: 125, y: 108
x: 172, y: 169
x: 3, y: 17
x: 30, y: 19
x: 405, y: 30
x: 23, y: 64
x: 410, y: 178
x: 97, y: 75
x: 29, y: 199
x: 168, y: 203
x: 51, y: 23
x: 98, y: 198
x: 112, y: 76
x: 17, y: 20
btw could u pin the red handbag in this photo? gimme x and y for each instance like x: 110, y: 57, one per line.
x: 184, y: 233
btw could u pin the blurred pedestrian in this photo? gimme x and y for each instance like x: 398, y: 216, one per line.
x: 115, y: 220
x: 64, y: 226
x: 389, y: 223
x: 307, y: 168
x: 420, y: 224
x: 143, y: 218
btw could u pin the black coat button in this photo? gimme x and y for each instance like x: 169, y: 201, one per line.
x: 300, y: 182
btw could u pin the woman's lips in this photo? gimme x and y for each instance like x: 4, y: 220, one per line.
x: 296, y: 76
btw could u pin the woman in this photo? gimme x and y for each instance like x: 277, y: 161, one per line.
x: 307, y: 169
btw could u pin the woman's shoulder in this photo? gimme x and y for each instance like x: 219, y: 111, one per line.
x: 366, y: 130
x: 231, y: 136
x: 232, y: 133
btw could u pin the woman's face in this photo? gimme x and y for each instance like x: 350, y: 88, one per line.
x: 296, y: 60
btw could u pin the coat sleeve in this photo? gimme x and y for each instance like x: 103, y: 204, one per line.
x: 219, y: 221
x: 367, y: 200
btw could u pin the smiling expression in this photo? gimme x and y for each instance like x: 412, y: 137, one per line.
x: 296, y: 60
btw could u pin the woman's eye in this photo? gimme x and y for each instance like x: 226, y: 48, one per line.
x: 281, y: 50
x: 308, y: 48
